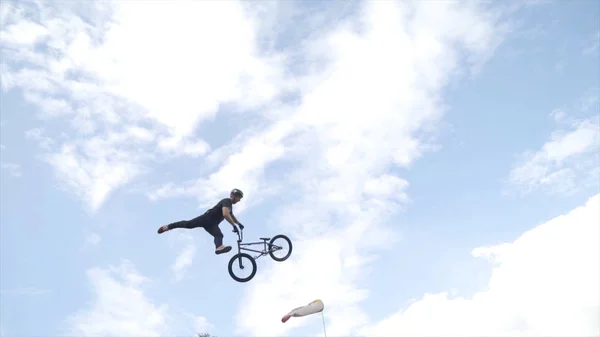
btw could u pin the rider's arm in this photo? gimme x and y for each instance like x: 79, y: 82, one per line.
x: 234, y: 218
x: 227, y: 215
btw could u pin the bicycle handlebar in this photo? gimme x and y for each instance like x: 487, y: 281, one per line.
x: 239, y: 232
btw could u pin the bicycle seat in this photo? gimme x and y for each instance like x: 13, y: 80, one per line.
x: 266, y: 239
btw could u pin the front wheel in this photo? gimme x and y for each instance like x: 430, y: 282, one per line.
x: 244, y: 262
x: 280, y: 246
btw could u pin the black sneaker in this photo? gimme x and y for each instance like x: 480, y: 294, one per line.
x: 224, y: 250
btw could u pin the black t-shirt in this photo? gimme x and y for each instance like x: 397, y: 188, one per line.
x: 215, y: 214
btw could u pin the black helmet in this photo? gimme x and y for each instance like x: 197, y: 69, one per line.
x: 237, y: 192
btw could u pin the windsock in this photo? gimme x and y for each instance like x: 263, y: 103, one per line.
x: 311, y: 308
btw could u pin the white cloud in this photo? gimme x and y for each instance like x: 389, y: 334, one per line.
x: 95, y: 167
x: 545, y: 283
x: 387, y: 187
x: 371, y: 107
x: 120, y: 307
x: 201, y: 324
x: 37, y: 134
x: 108, y: 79
x: 179, y: 146
x: 568, y: 161
x: 183, y: 260
x: 195, y: 325
x: 185, y: 257
x: 243, y: 170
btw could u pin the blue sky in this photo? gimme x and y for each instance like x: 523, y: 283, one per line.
x: 409, y: 150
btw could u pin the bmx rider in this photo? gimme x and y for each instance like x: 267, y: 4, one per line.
x: 211, y: 219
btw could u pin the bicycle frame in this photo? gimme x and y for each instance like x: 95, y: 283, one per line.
x: 265, y: 251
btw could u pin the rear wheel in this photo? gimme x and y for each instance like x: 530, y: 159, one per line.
x: 280, y: 248
x: 240, y: 264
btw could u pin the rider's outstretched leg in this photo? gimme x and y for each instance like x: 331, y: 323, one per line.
x: 189, y: 224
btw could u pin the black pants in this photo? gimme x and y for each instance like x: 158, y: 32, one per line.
x: 209, y: 226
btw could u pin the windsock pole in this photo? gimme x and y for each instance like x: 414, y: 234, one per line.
x: 323, y: 317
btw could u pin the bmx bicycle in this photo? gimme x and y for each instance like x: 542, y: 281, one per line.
x: 268, y: 248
